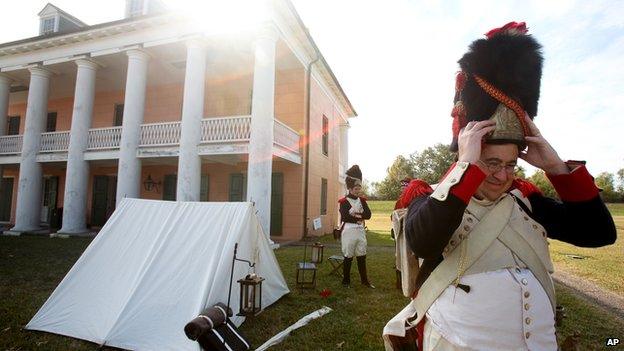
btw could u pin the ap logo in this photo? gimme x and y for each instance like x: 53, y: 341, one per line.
x: 613, y: 342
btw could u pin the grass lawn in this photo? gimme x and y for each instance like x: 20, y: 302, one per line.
x: 616, y: 209
x: 603, y: 266
x: 31, y: 267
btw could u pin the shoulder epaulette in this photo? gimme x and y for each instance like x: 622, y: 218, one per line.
x: 415, y: 188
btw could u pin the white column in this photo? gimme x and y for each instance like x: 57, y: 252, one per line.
x: 344, y: 146
x: 28, y: 211
x: 189, y: 162
x: 260, y: 162
x: 77, y: 175
x: 5, y: 90
x: 129, y: 169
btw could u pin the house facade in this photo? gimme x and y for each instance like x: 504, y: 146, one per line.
x: 153, y: 106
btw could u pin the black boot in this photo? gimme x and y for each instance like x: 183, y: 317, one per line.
x: 361, y: 262
x: 346, y: 271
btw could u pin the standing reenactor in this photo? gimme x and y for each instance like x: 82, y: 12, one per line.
x: 353, y: 212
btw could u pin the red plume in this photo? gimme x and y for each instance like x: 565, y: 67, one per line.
x: 527, y: 188
x: 416, y: 188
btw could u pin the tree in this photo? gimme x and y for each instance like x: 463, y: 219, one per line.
x: 605, y: 182
x: 368, y: 190
x: 521, y: 172
x: 620, y: 187
x: 539, y: 178
x: 432, y: 163
x: 390, y: 187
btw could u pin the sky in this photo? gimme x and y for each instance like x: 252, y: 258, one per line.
x: 396, y: 60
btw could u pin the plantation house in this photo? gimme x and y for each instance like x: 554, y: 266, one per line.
x: 157, y: 106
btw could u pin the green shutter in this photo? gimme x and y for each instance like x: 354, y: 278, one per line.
x: 99, y: 203
x: 277, y: 203
x: 205, y: 187
x: 325, y: 136
x: 323, y: 196
x: 6, y: 200
x: 169, y: 187
x: 238, y: 187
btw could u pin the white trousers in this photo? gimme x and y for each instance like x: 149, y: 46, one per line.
x: 353, y: 241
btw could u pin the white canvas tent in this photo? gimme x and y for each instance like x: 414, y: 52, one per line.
x: 153, y: 267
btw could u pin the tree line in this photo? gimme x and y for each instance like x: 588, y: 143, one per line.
x: 432, y: 163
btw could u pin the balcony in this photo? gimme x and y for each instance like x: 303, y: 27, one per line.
x: 222, y: 135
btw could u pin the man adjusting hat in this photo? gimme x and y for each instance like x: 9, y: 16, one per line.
x: 485, y: 280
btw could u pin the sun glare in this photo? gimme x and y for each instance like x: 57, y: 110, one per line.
x: 222, y: 16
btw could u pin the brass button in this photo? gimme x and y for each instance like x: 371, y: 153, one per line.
x: 526, y: 306
x: 527, y: 294
x: 467, y: 228
x: 544, y: 233
x: 452, y: 242
x: 527, y: 320
x: 534, y: 226
x: 527, y: 335
x: 517, y: 269
x: 526, y: 218
x: 469, y: 219
x: 442, y: 196
x: 453, y: 181
x: 524, y: 281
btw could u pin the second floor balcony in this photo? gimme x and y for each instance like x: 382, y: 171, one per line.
x: 220, y: 135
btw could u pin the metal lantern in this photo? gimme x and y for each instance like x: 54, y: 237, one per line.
x: 149, y: 184
x: 250, y: 295
x: 250, y: 303
x: 317, y: 253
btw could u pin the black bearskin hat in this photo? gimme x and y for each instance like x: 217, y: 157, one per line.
x: 354, y: 176
x: 499, y: 79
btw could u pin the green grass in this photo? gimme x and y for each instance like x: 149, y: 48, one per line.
x: 616, y: 209
x: 31, y: 267
x: 603, y: 266
x: 592, y: 322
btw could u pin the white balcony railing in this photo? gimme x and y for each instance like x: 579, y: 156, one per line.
x: 11, y: 144
x: 104, y: 138
x: 160, y: 134
x: 286, y: 137
x: 54, y: 141
x: 225, y: 129
x: 213, y: 130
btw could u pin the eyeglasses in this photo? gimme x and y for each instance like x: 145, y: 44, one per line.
x: 495, y: 167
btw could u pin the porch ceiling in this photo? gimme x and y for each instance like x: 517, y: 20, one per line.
x: 226, y: 58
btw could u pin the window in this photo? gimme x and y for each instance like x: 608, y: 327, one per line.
x: 323, y: 196
x: 118, y: 118
x: 51, y: 122
x: 325, y: 136
x: 47, y: 25
x: 13, y: 124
